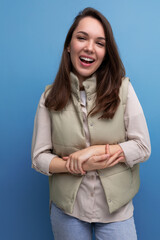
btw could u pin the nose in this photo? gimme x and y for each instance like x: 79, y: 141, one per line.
x: 89, y: 46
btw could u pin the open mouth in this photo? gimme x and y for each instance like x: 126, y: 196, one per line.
x: 86, y: 60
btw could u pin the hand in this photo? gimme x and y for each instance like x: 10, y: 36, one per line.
x: 104, y: 160
x: 75, y: 160
x: 115, y: 158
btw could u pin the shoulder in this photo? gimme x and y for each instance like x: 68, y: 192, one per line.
x: 44, y: 95
x: 124, y: 89
x: 128, y: 94
x: 127, y: 86
x: 47, y: 90
x: 42, y: 100
x: 133, y: 101
x: 125, y: 83
x: 48, y: 87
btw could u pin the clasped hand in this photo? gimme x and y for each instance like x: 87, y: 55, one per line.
x: 87, y: 159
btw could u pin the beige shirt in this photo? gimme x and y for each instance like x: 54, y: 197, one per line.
x: 90, y: 204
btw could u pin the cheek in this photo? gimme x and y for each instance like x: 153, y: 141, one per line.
x: 102, y: 53
x: 75, y: 47
x: 73, y: 52
x: 101, y: 56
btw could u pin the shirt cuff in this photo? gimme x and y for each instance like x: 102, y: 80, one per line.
x: 132, y: 154
x: 42, y: 162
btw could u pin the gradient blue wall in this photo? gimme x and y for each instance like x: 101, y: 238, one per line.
x: 32, y: 37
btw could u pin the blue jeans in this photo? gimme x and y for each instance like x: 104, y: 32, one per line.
x: 66, y: 227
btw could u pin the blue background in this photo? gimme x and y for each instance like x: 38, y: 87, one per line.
x: 32, y: 37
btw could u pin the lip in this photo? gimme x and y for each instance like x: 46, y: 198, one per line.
x: 86, y: 64
x: 85, y: 56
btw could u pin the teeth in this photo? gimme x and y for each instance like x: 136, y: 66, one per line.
x: 86, y: 59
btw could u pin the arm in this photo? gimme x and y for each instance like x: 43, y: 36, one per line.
x: 41, y: 141
x: 57, y: 165
x: 94, y: 157
x: 43, y: 160
x: 93, y: 163
x: 101, y: 162
x: 137, y: 147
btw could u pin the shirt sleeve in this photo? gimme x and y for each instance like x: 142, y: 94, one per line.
x: 137, y: 148
x: 42, y: 148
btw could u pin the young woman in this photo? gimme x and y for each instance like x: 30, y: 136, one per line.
x: 89, y: 137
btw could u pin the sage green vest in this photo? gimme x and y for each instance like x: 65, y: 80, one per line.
x: 120, y: 182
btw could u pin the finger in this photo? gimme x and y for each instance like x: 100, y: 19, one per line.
x: 69, y: 170
x: 107, y: 149
x: 118, y: 160
x: 65, y: 158
x: 115, y: 155
x: 72, y: 166
x: 80, y: 168
x: 68, y: 165
x: 75, y: 166
x: 123, y: 159
x: 99, y: 158
x: 113, y: 158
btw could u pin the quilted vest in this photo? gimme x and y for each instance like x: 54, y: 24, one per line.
x: 120, y: 182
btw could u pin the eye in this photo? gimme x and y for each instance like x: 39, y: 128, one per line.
x: 81, y: 38
x: 100, y: 44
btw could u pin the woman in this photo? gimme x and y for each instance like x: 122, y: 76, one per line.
x: 90, y: 135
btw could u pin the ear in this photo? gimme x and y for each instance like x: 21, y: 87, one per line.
x: 68, y: 49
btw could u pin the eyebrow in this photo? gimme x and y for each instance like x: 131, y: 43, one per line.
x: 101, y: 38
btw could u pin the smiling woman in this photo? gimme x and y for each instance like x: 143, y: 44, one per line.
x: 90, y: 135
x: 87, y: 48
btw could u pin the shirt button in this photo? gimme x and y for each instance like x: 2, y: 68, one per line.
x: 89, y: 99
x: 91, y: 124
x: 109, y: 200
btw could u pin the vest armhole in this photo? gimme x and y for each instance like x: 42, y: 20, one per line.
x: 125, y: 82
x: 47, y: 90
x: 47, y: 87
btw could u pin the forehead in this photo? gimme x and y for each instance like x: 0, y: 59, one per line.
x: 90, y: 25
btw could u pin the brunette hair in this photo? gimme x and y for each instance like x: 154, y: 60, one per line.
x: 109, y: 74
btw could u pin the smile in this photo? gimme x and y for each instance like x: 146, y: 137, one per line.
x: 86, y: 60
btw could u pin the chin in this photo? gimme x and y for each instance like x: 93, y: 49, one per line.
x: 86, y: 75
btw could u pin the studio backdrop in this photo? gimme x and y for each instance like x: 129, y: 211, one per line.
x: 32, y: 37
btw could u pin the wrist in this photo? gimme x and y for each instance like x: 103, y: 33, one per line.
x: 85, y: 166
x: 99, y: 149
x: 57, y: 165
x: 114, y: 148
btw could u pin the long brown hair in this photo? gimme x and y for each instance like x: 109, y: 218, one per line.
x: 109, y: 74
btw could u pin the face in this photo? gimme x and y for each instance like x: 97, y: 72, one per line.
x: 87, y: 47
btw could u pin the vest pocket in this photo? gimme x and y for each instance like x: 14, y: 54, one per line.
x: 120, y: 187
x: 118, y: 168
